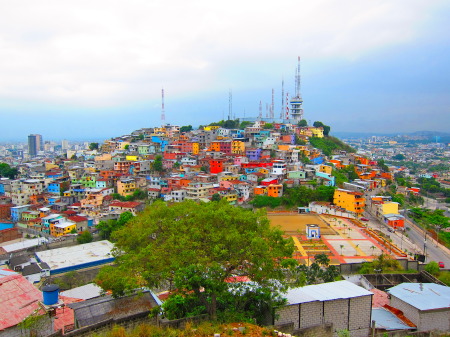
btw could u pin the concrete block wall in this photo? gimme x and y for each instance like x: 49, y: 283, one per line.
x: 287, y: 314
x: 336, y: 312
x: 435, y: 320
x: 360, y: 315
x: 408, y: 310
x: 352, y: 314
x: 310, y: 314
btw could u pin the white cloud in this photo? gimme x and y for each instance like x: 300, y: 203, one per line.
x: 103, y: 53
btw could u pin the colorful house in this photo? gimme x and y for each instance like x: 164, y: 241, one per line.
x: 350, y: 200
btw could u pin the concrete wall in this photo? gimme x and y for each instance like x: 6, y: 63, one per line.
x: 435, y: 320
x: 352, y: 314
x: 425, y: 320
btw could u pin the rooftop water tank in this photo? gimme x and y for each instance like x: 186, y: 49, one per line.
x: 50, y: 293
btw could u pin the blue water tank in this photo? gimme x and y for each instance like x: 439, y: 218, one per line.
x: 50, y: 294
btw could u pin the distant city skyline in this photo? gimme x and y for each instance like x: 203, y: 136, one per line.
x: 95, y: 70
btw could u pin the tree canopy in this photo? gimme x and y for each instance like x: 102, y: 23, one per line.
x: 93, y: 146
x: 186, y: 128
x: 7, y: 171
x: 197, y: 247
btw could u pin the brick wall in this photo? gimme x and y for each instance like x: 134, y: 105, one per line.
x: 435, y: 320
x: 352, y: 314
x: 336, y: 312
x: 408, y: 310
x: 360, y: 316
x: 311, y: 313
x: 287, y: 314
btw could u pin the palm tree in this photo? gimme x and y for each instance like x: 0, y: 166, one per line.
x: 373, y: 248
x: 356, y: 246
x: 349, y: 230
x: 342, y: 246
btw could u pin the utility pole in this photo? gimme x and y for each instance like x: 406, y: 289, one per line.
x: 163, y: 113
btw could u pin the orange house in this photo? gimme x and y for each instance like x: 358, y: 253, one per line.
x: 275, y: 190
x: 216, y: 165
x: 260, y: 190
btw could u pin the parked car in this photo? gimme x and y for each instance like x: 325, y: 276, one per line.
x: 441, y: 264
x: 364, y: 219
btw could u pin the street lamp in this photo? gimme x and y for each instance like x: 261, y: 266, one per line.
x: 425, y: 247
x: 438, y: 228
x: 377, y: 272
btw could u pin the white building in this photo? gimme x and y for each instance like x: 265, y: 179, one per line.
x: 427, y: 305
x: 342, y: 303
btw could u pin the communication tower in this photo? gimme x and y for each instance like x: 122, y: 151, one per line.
x: 163, y: 113
x: 297, y: 101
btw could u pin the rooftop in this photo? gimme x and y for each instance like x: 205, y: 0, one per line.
x: 18, y: 300
x: 423, y: 296
x: 325, y: 292
x: 76, y: 255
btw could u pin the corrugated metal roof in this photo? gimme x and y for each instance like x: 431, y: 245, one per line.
x: 423, y: 296
x: 85, y: 292
x: 385, y: 319
x: 13, y: 247
x: 18, y: 300
x: 325, y: 292
x: 75, y: 255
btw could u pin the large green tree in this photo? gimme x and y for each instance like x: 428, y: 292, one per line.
x: 7, y: 171
x: 197, y: 247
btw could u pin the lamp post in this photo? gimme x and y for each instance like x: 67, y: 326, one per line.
x: 377, y: 272
x: 425, y: 246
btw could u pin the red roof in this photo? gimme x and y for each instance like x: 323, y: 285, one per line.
x: 77, y: 218
x: 18, y: 300
x: 65, y: 314
x: 70, y: 212
x: 125, y: 204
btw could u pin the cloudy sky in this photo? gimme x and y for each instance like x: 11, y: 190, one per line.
x: 94, y: 69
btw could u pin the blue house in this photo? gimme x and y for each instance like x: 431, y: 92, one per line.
x: 16, y: 212
x: 54, y: 188
x: 162, y: 142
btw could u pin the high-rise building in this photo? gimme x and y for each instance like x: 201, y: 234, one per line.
x: 65, y: 144
x: 35, y: 144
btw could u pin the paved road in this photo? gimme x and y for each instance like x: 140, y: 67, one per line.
x: 412, y: 239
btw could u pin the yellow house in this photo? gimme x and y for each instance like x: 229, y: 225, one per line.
x: 159, y: 131
x: 325, y: 169
x: 211, y: 127
x: 351, y: 201
x: 229, y: 177
x: 195, y: 148
x: 230, y: 197
x: 62, y: 228
x: 132, y: 158
x: 237, y: 147
x: 126, y: 187
x: 317, y: 132
x: 263, y: 170
x: 389, y: 208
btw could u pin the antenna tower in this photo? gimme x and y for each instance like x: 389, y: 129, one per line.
x: 163, y: 113
x: 287, y: 106
x: 230, y: 105
x: 260, y: 110
x: 273, y: 104
x: 282, y: 98
x: 297, y: 101
x: 297, y: 80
